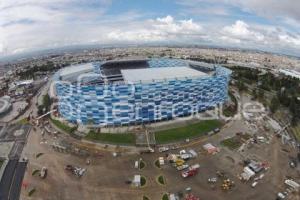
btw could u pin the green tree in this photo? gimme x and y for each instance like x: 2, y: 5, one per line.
x: 46, y: 102
x: 293, y: 106
x: 241, y: 86
x: 275, y: 103
x: 254, y: 93
x: 294, y: 121
x: 40, y: 110
x: 261, y: 94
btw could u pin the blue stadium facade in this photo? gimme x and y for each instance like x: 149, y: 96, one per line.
x: 103, y: 97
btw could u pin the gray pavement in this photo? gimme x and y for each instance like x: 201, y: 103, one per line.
x: 11, y: 182
x: 12, y: 141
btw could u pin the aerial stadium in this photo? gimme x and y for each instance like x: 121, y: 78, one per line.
x: 138, y: 91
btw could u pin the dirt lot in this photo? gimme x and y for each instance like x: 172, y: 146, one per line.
x: 105, y: 177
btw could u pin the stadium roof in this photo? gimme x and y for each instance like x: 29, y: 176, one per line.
x: 74, y: 69
x: 160, y: 73
x: 124, y: 60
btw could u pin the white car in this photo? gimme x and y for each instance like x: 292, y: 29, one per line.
x: 182, y: 152
x: 185, y: 156
x: 163, y: 149
x: 182, y: 167
x: 281, y: 196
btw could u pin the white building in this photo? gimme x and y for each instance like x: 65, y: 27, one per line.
x: 289, y: 72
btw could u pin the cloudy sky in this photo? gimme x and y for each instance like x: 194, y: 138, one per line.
x: 30, y: 25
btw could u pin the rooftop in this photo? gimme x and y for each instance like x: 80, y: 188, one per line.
x: 289, y: 72
x: 161, y: 73
x: 76, y: 69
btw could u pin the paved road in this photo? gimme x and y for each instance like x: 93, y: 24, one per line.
x: 10, y: 185
x: 7, y: 179
x: 15, y: 189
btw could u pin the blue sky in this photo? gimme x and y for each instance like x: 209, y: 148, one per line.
x: 30, y: 25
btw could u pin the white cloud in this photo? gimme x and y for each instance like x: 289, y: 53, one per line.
x: 295, y: 41
x: 241, y: 31
x: 35, y: 24
x: 265, y: 8
x: 160, y: 29
x: 257, y: 36
x: 168, y: 25
x: 167, y: 20
x: 270, y: 8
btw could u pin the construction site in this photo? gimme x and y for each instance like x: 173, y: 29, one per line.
x: 248, y: 156
x: 242, y: 160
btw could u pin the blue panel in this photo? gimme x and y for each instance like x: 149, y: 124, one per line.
x: 116, y: 105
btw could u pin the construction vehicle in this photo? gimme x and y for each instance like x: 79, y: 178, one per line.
x: 191, y: 171
x: 292, y: 184
x: 77, y: 171
x: 191, y: 197
x: 227, y: 184
x: 178, y: 162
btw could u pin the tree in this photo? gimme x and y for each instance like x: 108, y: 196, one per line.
x: 261, y: 94
x: 274, y: 104
x: 254, y: 93
x: 293, y: 106
x: 46, y: 102
x: 40, y: 110
x: 294, y: 120
x: 241, y: 86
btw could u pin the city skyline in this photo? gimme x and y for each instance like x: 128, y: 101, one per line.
x: 32, y: 25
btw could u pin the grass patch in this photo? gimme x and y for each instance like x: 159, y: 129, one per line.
x: 165, y: 197
x: 63, y: 126
x: 143, y: 181
x: 161, y: 180
x: 31, y: 192
x: 39, y: 155
x: 157, y: 164
x: 124, y: 138
x: 296, y: 131
x: 235, y: 142
x: 35, y: 172
x: 231, y: 143
x: 23, y: 121
x: 146, y: 198
x: 189, y: 131
x: 142, y: 165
